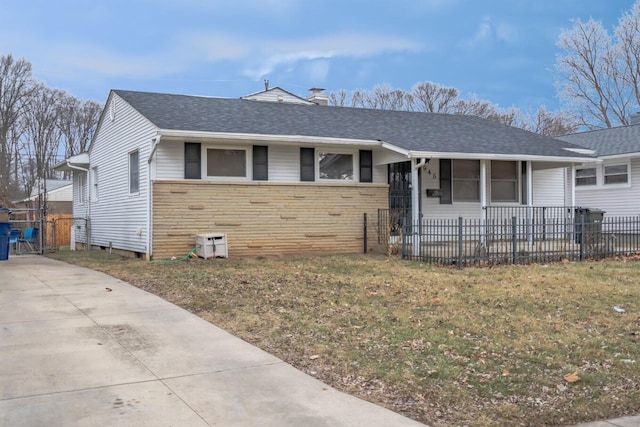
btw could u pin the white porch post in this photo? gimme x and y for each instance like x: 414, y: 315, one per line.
x: 483, y: 200
x: 530, y: 201
x: 572, y: 179
x: 415, y: 206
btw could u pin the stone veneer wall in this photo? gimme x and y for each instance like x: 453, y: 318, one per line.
x: 262, y: 218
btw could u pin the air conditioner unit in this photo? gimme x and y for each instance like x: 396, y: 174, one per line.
x: 212, y: 245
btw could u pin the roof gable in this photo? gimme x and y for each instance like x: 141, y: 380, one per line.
x: 276, y: 94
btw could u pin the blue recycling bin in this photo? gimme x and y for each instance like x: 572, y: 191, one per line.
x: 5, y: 230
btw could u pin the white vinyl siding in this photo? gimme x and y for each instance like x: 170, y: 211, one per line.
x: 549, y: 187
x: 120, y: 218
x: 615, y: 199
x: 284, y: 162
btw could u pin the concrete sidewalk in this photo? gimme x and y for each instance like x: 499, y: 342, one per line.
x: 80, y: 348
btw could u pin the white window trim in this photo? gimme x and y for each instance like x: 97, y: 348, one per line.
x: 518, y: 183
x: 479, y: 180
x: 129, y: 192
x: 627, y: 184
x: 355, y: 161
x: 600, y: 185
x: 82, y: 188
x: 94, y: 184
x: 247, y: 159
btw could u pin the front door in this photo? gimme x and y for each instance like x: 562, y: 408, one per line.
x: 400, y: 192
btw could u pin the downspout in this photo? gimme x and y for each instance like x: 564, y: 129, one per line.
x: 156, y: 141
x: 415, y: 205
x: 88, y: 199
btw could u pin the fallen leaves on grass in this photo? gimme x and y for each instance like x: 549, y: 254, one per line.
x: 572, y: 377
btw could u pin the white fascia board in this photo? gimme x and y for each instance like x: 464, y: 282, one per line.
x: 620, y: 156
x: 292, y: 139
x: 78, y: 161
x: 486, y: 156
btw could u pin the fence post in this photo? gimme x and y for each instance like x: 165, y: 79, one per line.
x: 403, y: 234
x: 514, y: 241
x: 582, y: 233
x: 365, y: 232
x: 460, y: 236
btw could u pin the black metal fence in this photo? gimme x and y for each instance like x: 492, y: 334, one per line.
x: 529, y: 235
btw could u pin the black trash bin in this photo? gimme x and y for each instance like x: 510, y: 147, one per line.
x: 592, y: 224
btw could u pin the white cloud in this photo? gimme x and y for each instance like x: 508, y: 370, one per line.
x: 488, y: 32
x: 277, y: 53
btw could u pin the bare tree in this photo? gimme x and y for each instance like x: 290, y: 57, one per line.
x: 16, y: 83
x: 434, y: 98
x: 547, y: 123
x: 339, y: 98
x: 628, y: 36
x: 598, y: 73
x: 77, y: 121
x: 42, y: 135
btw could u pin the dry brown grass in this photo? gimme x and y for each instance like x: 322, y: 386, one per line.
x: 515, y: 345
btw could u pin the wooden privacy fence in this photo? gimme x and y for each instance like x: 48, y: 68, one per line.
x: 59, y: 230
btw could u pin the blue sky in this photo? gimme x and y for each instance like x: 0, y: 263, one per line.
x: 502, y: 51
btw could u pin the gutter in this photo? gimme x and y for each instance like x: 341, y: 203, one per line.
x: 485, y: 156
x: 294, y: 139
x: 156, y: 142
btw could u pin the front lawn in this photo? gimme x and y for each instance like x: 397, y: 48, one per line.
x: 515, y: 345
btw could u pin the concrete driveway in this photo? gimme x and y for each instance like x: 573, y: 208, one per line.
x: 80, y: 348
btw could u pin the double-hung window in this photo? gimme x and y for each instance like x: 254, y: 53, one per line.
x: 94, y: 184
x: 504, y: 181
x: 616, y: 174
x: 81, y: 180
x: 465, y: 180
x: 586, y: 176
x: 134, y: 172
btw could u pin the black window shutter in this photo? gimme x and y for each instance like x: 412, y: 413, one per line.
x: 192, y: 160
x: 445, y: 181
x: 260, y: 163
x: 366, y: 166
x: 307, y: 164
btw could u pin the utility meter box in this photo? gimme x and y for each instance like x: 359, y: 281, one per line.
x: 212, y: 245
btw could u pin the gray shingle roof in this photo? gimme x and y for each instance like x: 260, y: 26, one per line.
x: 417, y: 131
x: 609, y: 142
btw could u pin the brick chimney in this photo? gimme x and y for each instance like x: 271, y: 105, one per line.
x: 317, y: 96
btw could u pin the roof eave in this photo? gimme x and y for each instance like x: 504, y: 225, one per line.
x: 294, y: 139
x: 490, y: 156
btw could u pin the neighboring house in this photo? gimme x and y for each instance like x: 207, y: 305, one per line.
x: 277, y: 94
x: 58, y: 197
x: 292, y: 178
x: 613, y: 184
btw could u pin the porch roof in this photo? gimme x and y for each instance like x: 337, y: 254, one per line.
x: 415, y: 132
